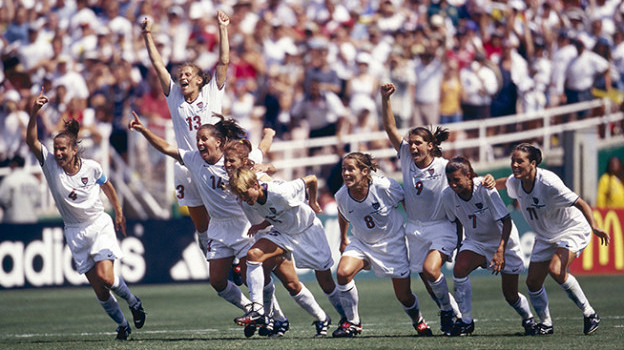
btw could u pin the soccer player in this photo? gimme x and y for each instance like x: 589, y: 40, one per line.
x: 563, y: 223
x: 75, y: 184
x: 370, y: 204
x: 431, y: 238
x: 191, y: 104
x: 296, y: 232
x: 491, y: 241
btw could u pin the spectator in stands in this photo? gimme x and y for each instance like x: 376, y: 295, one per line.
x: 20, y: 194
x: 13, y: 120
x: 479, y: 85
x: 611, y: 185
x: 429, y: 72
x: 563, y: 54
x: 450, y: 94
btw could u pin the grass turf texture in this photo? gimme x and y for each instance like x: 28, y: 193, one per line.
x: 192, y: 316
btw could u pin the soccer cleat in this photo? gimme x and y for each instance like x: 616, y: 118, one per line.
x: 251, y: 317
x: 138, y: 314
x: 347, y: 330
x: 422, y: 328
x: 321, y: 327
x: 266, y: 329
x: 249, y: 330
x: 529, y: 326
x: 446, y: 320
x: 123, y: 332
x: 542, y: 329
x: 280, y: 328
x: 590, y: 324
x: 460, y: 328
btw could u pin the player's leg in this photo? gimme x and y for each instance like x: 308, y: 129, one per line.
x: 434, y: 276
x: 219, y: 269
x: 558, y: 269
x: 411, y: 306
x: 538, y: 270
x: 326, y: 281
x: 348, y: 267
x: 465, y: 262
x: 518, y: 301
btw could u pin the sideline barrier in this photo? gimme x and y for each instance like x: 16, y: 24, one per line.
x: 165, y: 251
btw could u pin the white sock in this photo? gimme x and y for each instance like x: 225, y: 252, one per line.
x: 271, y: 306
x: 335, y: 300
x: 522, y: 307
x: 306, y: 300
x: 463, y: 296
x: 454, y: 306
x: 539, y: 300
x: 234, y: 296
x: 349, y: 299
x: 121, y: 289
x: 255, y: 283
x: 111, y: 306
x: 413, y: 311
x: 440, y: 289
x: 573, y: 288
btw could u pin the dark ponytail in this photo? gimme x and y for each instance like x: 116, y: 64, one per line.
x: 436, y: 137
x: 534, y: 153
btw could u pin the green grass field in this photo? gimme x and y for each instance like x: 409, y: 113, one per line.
x: 192, y: 316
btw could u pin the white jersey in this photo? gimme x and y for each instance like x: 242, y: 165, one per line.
x: 77, y: 196
x: 285, y: 207
x: 423, y: 187
x: 376, y: 218
x: 188, y: 117
x: 480, y: 215
x: 212, y: 181
x: 548, y: 208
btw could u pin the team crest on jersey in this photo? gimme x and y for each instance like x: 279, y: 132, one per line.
x: 536, y: 203
x: 84, y: 180
x: 273, y: 210
x: 376, y: 205
x: 479, y: 206
x: 431, y: 171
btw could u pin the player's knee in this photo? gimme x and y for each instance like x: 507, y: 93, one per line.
x: 255, y: 254
x: 218, y: 284
x: 293, y: 287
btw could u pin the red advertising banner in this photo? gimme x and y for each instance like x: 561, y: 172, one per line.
x: 600, y: 259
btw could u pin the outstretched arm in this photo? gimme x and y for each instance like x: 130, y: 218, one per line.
x: 154, y: 55
x: 389, y: 122
x: 160, y: 144
x: 32, y: 139
x: 311, y: 183
x: 224, y: 48
x: 111, y: 194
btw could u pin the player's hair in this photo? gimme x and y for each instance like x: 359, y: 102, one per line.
x: 241, y: 180
x: 436, y: 137
x: 533, y: 152
x: 206, y: 76
x: 229, y: 128
x: 363, y: 160
x: 241, y: 148
x: 214, y: 132
x: 460, y: 163
x: 70, y: 131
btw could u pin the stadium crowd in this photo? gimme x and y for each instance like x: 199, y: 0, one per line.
x: 303, y: 68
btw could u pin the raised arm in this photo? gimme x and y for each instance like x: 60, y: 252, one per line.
x: 311, y: 183
x: 267, y: 140
x: 154, y: 55
x: 32, y: 139
x: 224, y: 48
x: 111, y: 194
x: 589, y: 216
x: 389, y: 122
x: 160, y: 144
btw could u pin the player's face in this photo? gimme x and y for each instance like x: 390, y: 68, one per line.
x: 189, y: 80
x: 64, y: 153
x: 352, y: 175
x: 232, y: 161
x: 521, y: 167
x: 208, y: 146
x: 460, y: 183
x: 421, y: 150
x: 251, y: 196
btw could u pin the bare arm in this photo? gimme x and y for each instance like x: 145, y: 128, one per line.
x: 498, y: 260
x: 267, y: 140
x: 154, y: 55
x: 224, y: 48
x: 160, y: 144
x: 389, y: 122
x: 581, y: 205
x: 344, y: 226
x: 111, y: 194
x: 32, y: 139
x: 311, y: 183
